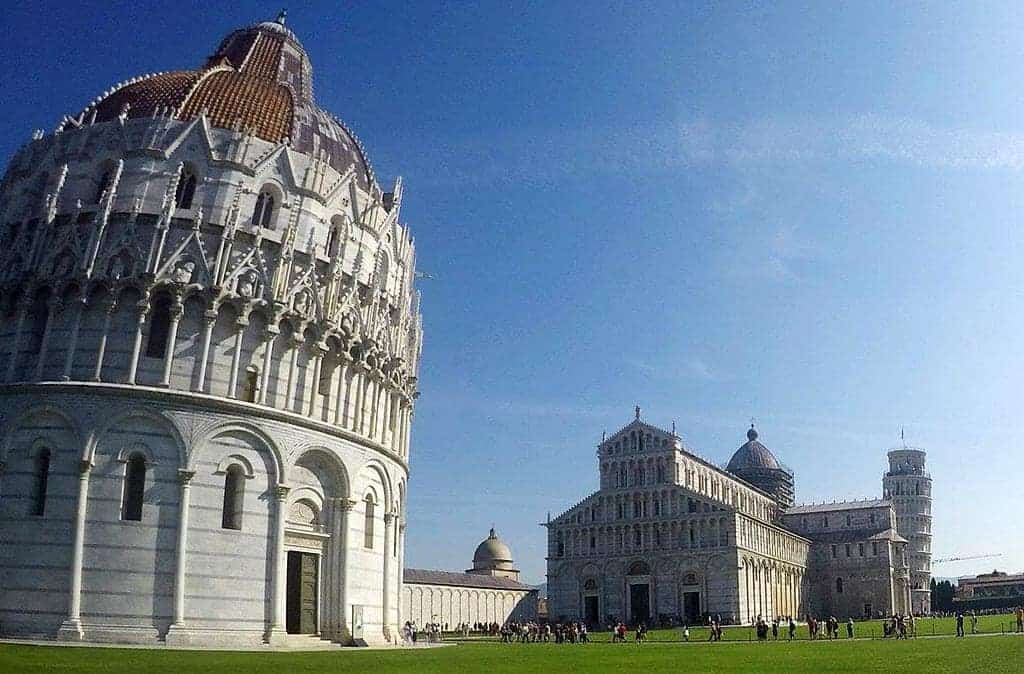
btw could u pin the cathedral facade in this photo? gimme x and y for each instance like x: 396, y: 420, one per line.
x: 669, y: 538
x: 208, y: 356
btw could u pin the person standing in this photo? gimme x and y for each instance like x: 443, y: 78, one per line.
x: 959, y: 624
x: 849, y: 628
x: 974, y: 622
x: 1020, y: 618
x: 792, y: 628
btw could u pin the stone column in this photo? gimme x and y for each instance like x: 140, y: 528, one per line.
x: 16, y: 342
x: 133, y: 368
x: 293, y: 366
x: 319, y: 349
x: 339, y: 541
x: 279, y: 568
x: 389, y: 526
x: 53, y: 308
x: 358, y: 382
x: 209, y: 320
x: 101, y: 350
x: 173, y: 636
x: 172, y: 337
x: 339, y: 403
x: 236, y: 357
x: 268, y: 361
x: 401, y: 573
x: 69, y: 355
x: 71, y: 628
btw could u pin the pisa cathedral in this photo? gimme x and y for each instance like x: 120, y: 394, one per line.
x: 208, y: 355
x: 670, y: 537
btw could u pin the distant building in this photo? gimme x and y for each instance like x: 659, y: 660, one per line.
x: 490, y: 592
x: 989, y: 590
x: 671, y: 537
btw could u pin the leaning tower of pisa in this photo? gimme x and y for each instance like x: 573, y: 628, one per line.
x: 909, y: 486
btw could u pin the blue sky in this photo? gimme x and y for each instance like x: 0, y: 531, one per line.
x: 808, y: 214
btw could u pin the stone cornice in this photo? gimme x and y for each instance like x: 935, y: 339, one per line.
x: 209, y: 402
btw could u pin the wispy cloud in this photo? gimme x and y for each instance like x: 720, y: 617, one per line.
x: 691, y: 368
x: 862, y: 138
x: 550, y: 155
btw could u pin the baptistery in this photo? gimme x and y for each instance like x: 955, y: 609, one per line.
x: 208, y: 347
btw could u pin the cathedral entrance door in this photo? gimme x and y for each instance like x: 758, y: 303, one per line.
x: 691, y: 607
x: 639, y: 603
x: 591, y: 611
x: 303, y: 593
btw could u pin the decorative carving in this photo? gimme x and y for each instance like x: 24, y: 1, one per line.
x: 247, y: 284
x: 184, y: 270
x: 303, y: 512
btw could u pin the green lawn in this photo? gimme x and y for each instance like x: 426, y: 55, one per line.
x: 980, y: 654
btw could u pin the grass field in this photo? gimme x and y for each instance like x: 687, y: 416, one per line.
x: 978, y: 654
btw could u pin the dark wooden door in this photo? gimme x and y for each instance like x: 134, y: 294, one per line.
x: 309, y: 595
x: 640, y: 603
x: 591, y: 611
x: 302, y: 598
x: 691, y: 607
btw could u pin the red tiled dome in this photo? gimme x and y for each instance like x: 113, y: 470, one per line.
x: 259, y: 79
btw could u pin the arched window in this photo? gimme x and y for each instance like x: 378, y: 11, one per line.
x: 134, y: 487
x: 39, y: 479
x: 106, y: 180
x: 839, y: 585
x: 234, y: 498
x: 159, y: 328
x: 40, y: 314
x: 638, y: 569
x: 252, y: 384
x: 264, y: 211
x: 186, y: 189
x: 368, y: 522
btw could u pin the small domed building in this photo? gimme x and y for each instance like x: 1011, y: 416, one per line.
x: 494, y: 558
x: 488, y: 593
x: 209, y: 349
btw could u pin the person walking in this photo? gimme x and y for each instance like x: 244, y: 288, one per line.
x: 792, y: 628
x: 849, y: 628
x: 974, y: 622
x: 959, y: 624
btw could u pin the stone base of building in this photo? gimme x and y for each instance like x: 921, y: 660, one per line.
x: 70, y: 630
x: 181, y: 635
x: 120, y: 634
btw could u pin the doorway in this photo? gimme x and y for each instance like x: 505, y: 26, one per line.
x: 302, y: 593
x: 691, y: 607
x: 639, y: 603
x: 591, y: 611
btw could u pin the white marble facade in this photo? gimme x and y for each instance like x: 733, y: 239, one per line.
x: 670, y: 537
x: 208, y: 357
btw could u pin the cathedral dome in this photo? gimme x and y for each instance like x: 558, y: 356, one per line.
x: 492, y: 550
x: 259, y: 80
x: 752, y: 455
